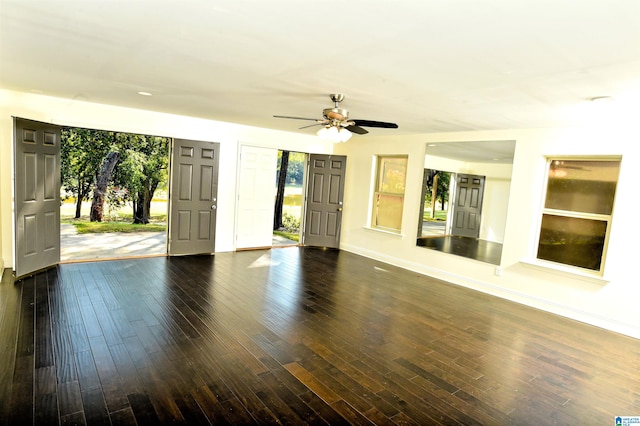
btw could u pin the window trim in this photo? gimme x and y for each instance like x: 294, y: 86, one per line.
x: 608, y: 218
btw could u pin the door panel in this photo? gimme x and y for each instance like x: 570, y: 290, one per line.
x: 467, y: 207
x: 256, y: 197
x: 37, y: 195
x: 193, y: 197
x: 324, y: 201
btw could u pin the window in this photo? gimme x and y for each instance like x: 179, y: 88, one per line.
x: 388, y: 198
x: 577, y: 212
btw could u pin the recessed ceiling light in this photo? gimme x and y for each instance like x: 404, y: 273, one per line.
x: 145, y: 94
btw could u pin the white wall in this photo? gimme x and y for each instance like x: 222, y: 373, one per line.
x: 610, y: 302
x: 84, y: 114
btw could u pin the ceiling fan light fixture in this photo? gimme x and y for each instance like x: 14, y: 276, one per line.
x: 345, y: 135
x: 336, y: 124
x: 334, y: 133
x: 323, y: 132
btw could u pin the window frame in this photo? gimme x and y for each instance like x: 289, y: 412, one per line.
x: 602, y: 217
x: 376, y: 192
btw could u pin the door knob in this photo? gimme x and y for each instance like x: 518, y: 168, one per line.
x: 213, y: 207
x: 339, y: 209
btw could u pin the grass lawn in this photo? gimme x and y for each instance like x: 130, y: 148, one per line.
x: 289, y: 235
x: 440, y: 216
x: 120, y: 220
x: 87, y: 227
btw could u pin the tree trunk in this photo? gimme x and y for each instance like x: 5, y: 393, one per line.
x: 282, y: 180
x: 99, y: 192
x: 138, y: 212
x: 78, y: 206
x: 142, y: 205
x: 434, y: 195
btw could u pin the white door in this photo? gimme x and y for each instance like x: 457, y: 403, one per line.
x: 37, y: 195
x: 193, y: 197
x: 256, y: 197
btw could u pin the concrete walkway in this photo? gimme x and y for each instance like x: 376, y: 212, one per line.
x: 112, y: 245
x: 74, y: 246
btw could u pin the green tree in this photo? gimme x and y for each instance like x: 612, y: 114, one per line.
x: 82, y: 152
x: 102, y: 183
x: 295, y: 168
x: 441, y: 191
x: 142, y: 168
x: 443, y: 188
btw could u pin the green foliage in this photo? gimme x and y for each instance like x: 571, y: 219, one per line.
x: 442, y: 194
x: 295, y: 168
x: 290, y: 223
x: 143, y: 164
x: 82, y: 152
x: 142, y: 168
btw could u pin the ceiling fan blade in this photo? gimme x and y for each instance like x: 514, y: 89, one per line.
x: 356, y: 129
x: 296, y: 118
x: 369, y: 123
x: 311, y: 125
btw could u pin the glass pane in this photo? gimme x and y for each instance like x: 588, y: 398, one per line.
x: 582, y: 186
x: 388, y: 211
x: 392, y: 173
x: 572, y: 241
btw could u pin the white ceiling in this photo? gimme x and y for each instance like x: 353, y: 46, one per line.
x: 493, y: 152
x: 428, y: 65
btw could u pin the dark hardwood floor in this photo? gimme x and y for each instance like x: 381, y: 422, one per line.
x: 295, y: 335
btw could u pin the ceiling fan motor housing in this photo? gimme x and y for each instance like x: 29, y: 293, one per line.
x: 339, y: 114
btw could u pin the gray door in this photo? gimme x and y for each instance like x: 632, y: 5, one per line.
x: 467, y: 207
x: 193, y: 197
x: 325, y: 192
x: 37, y: 195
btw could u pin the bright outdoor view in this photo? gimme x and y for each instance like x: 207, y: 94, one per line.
x: 114, y: 199
x: 436, y: 201
x: 112, y: 183
x: 288, y: 205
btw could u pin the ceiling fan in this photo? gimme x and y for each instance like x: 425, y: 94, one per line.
x: 338, y: 119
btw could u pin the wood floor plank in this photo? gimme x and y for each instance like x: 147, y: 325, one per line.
x: 9, y: 323
x: 69, y: 398
x: 95, y: 407
x: 297, y: 336
x: 143, y: 410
